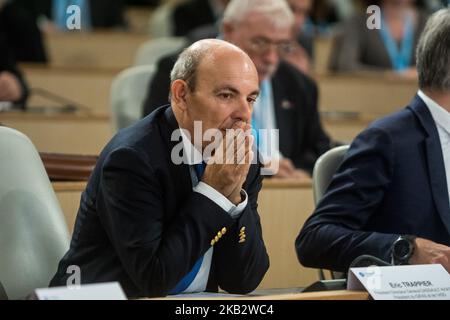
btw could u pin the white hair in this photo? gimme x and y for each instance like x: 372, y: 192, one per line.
x: 433, y: 53
x: 278, y: 11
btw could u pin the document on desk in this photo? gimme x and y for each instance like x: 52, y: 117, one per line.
x: 412, y: 282
x: 100, y: 291
x: 204, y: 295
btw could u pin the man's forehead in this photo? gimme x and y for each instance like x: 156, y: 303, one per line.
x: 237, y: 87
x: 262, y: 27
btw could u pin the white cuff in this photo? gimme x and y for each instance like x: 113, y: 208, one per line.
x: 221, y: 200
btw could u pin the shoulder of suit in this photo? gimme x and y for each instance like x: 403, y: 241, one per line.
x: 290, y: 74
x: 396, y: 123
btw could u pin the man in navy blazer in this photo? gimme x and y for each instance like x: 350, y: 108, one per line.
x: 159, y: 225
x: 390, y: 196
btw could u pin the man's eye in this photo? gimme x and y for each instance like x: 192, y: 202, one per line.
x: 252, y: 100
x: 226, y: 95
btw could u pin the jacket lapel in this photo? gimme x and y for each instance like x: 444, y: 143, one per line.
x: 435, y: 160
x: 182, y: 173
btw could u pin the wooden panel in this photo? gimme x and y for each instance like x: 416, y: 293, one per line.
x: 69, y: 195
x: 94, y: 49
x: 59, y: 133
x: 283, y: 207
x: 322, y: 51
x: 344, y: 129
x: 381, y: 94
x: 324, y: 295
x: 89, y: 88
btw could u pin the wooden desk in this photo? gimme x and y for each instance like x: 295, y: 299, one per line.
x: 283, y: 206
x: 79, y: 133
x: 323, y: 295
x: 88, y: 87
x: 346, y: 129
x: 379, y: 95
x: 105, y: 50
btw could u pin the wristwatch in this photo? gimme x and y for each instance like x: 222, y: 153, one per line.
x: 402, y: 250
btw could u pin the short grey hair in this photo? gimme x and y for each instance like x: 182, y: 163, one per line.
x: 186, y: 66
x: 433, y: 53
x: 278, y: 11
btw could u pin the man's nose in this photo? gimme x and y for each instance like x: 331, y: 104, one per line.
x: 271, y: 56
x: 244, y: 111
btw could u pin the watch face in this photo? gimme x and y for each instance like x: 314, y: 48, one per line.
x: 402, y: 249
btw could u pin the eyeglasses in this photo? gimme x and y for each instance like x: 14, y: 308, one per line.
x: 262, y: 45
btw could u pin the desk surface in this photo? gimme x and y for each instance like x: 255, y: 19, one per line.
x: 267, y: 184
x: 323, y: 295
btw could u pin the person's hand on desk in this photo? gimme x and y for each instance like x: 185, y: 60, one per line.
x: 287, y: 170
x: 299, y: 58
x: 429, y: 252
x: 410, y: 73
x: 10, y: 88
x: 227, y: 169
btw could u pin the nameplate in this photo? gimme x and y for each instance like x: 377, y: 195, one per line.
x: 412, y: 282
x: 100, y: 291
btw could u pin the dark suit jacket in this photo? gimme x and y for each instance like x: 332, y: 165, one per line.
x: 191, y: 15
x: 141, y: 224
x: 22, y: 33
x: 392, y: 182
x: 302, y: 138
x: 8, y: 63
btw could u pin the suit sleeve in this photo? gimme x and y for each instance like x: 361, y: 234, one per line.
x: 156, y: 252
x: 242, y: 266
x: 335, y: 234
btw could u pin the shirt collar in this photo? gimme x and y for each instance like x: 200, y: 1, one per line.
x: 191, y: 154
x: 440, y: 116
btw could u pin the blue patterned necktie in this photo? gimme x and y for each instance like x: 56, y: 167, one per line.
x: 187, y: 280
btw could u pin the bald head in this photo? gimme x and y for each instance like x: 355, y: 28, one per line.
x: 213, y: 82
x: 206, y: 52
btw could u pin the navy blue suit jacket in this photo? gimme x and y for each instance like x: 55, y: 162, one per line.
x: 391, y: 182
x: 141, y: 224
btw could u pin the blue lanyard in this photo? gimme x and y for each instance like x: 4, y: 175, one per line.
x: 400, y: 58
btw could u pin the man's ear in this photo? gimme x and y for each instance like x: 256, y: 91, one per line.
x: 179, y: 90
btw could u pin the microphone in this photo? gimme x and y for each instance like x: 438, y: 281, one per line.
x: 67, y: 104
x: 368, y: 261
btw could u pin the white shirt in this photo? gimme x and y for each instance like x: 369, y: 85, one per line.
x: 441, y: 118
x: 192, y: 156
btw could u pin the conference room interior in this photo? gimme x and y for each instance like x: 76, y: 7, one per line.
x: 86, y: 85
